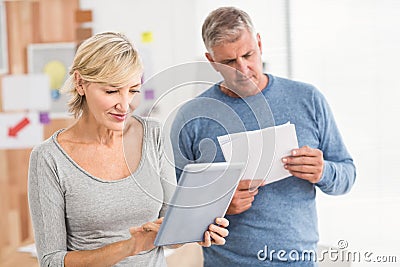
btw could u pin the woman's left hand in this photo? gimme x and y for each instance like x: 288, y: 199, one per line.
x: 216, y: 233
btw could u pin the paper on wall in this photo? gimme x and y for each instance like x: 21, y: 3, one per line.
x: 20, y: 130
x: 26, y: 92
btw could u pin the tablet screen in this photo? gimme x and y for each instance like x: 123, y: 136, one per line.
x: 203, y: 193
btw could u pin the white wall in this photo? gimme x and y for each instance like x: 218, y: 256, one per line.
x: 176, y: 27
x: 348, y: 49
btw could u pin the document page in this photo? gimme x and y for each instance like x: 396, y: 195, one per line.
x: 261, y: 151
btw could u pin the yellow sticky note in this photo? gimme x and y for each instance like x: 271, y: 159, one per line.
x: 147, y: 37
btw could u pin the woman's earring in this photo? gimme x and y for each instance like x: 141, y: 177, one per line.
x: 80, y: 90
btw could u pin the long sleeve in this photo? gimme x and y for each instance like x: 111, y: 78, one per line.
x: 166, y: 170
x: 181, y: 143
x: 339, y: 171
x: 46, y: 203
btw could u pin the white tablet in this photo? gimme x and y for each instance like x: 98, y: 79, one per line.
x: 203, y: 193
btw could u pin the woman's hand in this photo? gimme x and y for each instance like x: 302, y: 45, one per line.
x: 216, y: 233
x: 143, y: 237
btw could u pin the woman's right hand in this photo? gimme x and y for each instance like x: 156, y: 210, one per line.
x: 143, y: 237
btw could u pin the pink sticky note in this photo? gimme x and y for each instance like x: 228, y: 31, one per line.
x: 149, y: 94
x: 44, y: 117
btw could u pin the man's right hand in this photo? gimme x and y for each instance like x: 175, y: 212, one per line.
x: 244, y: 196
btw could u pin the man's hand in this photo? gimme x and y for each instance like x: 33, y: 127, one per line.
x: 306, y: 163
x: 244, y: 196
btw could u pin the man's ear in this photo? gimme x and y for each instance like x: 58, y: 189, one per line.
x: 259, y: 42
x: 212, y: 61
x: 79, y: 83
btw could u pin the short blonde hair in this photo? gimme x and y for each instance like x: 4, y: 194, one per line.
x: 107, y: 58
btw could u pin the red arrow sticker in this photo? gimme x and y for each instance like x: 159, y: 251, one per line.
x: 13, y: 131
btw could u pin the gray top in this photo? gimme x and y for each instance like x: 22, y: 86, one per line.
x: 73, y: 210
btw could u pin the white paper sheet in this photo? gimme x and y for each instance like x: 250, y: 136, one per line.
x: 26, y: 92
x: 261, y: 150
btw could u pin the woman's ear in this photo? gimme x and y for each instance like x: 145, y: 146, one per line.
x: 79, y: 83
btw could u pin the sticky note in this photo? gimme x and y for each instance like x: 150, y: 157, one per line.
x: 147, y: 37
x: 44, y: 117
x: 149, y: 94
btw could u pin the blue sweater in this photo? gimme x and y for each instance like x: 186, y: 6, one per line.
x: 283, y: 215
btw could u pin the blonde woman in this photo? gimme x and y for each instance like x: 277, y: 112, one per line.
x: 98, y: 189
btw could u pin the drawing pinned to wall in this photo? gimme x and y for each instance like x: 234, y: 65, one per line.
x: 14, y: 130
x: 20, y: 130
x: 57, y: 73
x: 26, y: 92
x: 53, y: 59
x: 3, y: 40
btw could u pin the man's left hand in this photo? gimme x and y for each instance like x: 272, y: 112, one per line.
x: 306, y: 163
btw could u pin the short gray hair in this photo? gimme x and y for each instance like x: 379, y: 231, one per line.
x: 225, y: 24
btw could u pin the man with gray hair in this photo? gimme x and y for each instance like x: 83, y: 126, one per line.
x: 276, y: 224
